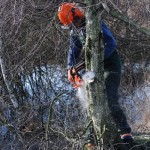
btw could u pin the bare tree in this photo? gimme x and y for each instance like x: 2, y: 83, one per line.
x: 94, y: 60
x: 33, y: 59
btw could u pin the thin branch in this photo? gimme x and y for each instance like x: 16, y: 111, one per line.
x: 50, y: 116
x: 119, y: 15
x: 6, y: 77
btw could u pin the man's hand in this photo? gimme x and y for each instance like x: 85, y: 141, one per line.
x: 74, y: 78
x: 71, y: 76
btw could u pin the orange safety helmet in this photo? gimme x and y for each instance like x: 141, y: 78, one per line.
x: 67, y: 12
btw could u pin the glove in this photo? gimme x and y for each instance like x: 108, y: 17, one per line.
x: 74, y: 78
x: 71, y: 75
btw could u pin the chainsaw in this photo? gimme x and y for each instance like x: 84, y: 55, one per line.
x: 80, y: 75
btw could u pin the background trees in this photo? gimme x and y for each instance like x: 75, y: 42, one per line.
x: 34, y: 50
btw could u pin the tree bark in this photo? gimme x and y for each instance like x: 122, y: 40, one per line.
x: 94, y: 58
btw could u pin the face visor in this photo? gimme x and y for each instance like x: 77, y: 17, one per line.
x: 64, y: 27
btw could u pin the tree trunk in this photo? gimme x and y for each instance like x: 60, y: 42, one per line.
x: 94, y: 58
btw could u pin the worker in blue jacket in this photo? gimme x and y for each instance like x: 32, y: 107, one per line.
x: 71, y: 15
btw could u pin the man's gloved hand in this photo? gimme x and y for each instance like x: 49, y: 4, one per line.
x: 71, y: 76
x: 74, y: 78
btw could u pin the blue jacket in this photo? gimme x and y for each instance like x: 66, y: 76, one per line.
x: 74, y: 54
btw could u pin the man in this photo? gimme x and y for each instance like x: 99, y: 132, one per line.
x: 72, y: 16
